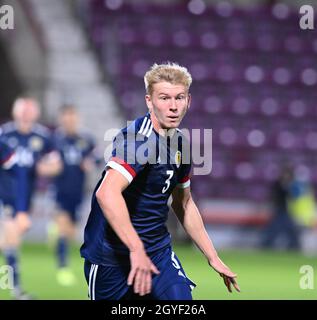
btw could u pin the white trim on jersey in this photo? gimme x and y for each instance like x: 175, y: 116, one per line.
x: 116, y: 166
x: 184, y: 185
x: 143, y: 125
x: 150, y: 131
x: 148, y: 124
x: 9, y: 163
x: 146, y: 127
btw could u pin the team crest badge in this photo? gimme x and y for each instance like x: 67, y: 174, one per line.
x: 13, y: 142
x: 178, y: 158
x: 36, y: 143
x: 82, y: 144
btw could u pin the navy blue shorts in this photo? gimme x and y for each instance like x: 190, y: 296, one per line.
x: 7, y: 210
x: 110, y: 283
x: 69, y: 205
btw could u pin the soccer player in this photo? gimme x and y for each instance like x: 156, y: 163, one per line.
x: 7, y: 158
x: 282, y: 223
x: 127, y: 247
x: 7, y: 162
x: 33, y: 151
x: 77, y: 153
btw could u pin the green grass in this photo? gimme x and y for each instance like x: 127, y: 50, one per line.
x: 261, y: 275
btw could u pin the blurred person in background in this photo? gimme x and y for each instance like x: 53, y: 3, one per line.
x: 7, y: 157
x: 282, y: 224
x: 7, y: 162
x: 78, y: 156
x: 302, y: 204
x: 34, y: 155
x: 127, y: 247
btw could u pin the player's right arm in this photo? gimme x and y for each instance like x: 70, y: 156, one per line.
x: 112, y: 203
x: 50, y: 165
x: 7, y: 156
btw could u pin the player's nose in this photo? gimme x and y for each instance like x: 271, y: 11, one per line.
x: 173, y: 105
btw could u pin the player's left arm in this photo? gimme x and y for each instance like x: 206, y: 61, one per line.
x: 92, y: 156
x: 50, y: 165
x: 190, y: 218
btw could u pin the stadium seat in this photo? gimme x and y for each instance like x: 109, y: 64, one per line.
x: 254, y: 80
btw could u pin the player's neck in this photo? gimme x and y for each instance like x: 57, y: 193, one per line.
x: 22, y: 128
x: 161, y: 131
x: 71, y: 132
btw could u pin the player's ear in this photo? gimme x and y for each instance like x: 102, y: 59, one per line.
x: 148, y: 102
x: 189, y: 100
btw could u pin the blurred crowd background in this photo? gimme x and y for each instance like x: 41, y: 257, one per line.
x: 254, y: 84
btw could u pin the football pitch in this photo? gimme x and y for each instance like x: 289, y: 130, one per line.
x: 261, y: 274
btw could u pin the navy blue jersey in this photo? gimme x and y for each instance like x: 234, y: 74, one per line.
x: 73, y: 150
x: 29, y: 148
x: 154, y: 166
x: 7, y: 158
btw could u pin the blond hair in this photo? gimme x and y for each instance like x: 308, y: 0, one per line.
x: 170, y: 72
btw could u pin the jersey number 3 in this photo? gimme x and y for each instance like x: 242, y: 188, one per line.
x: 168, y: 180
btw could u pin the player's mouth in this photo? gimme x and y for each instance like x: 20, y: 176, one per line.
x: 173, y: 118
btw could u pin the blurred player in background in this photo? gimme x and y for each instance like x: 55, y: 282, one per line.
x: 282, y: 223
x: 77, y: 152
x: 7, y: 162
x: 126, y: 240
x: 34, y: 154
x: 7, y: 157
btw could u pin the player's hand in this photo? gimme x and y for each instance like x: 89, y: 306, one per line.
x: 87, y: 165
x: 23, y: 221
x: 229, y: 278
x: 49, y: 165
x: 141, y: 272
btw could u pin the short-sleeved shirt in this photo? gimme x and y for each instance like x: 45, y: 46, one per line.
x: 153, y: 165
x: 7, y: 158
x: 29, y: 149
x: 73, y: 150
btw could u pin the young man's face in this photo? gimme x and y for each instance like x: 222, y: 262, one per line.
x: 168, y: 104
x: 25, y: 114
x: 69, y: 120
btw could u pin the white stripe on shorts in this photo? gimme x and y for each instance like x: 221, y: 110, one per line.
x: 92, y: 267
x: 93, y: 282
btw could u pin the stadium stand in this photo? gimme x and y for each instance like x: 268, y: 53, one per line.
x: 254, y: 82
